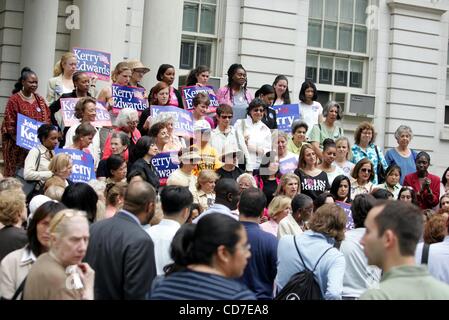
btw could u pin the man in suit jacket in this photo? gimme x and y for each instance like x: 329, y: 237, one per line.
x: 121, y: 252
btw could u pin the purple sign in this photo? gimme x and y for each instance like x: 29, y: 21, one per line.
x: 188, y: 93
x: 288, y: 165
x: 129, y: 97
x: 286, y: 114
x: 165, y: 163
x: 83, y: 169
x: 183, y: 124
x: 102, y: 118
x: 26, y: 132
x: 347, y: 208
x: 95, y: 63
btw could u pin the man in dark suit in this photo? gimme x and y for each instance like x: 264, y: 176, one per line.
x: 121, y: 252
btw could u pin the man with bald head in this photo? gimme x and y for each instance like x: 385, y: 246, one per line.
x: 393, y: 230
x: 121, y: 252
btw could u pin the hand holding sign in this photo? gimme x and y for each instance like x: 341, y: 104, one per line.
x: 286, y: 114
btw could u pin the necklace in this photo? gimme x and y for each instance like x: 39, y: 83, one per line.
x: 24, y: 97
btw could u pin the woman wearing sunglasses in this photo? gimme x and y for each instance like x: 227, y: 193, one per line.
x: 363, y: 175
x: 256, y: 134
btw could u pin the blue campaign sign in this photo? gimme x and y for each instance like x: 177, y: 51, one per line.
x: 26, y: 133
x: 286, y: 114
x: 95, y: 63
x: 128, y: 97
x: 347, y: 208
x: 183, y: 124
x: 83, y: 169
x: 165, y: 163
x: 188, y: 93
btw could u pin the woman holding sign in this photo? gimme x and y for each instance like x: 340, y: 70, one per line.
x: 235, y: 93
x: 26, y: 101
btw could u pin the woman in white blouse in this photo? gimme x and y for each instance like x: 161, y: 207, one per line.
x: 256, y: 134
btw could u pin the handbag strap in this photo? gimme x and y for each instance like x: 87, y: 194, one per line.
x: 377, y: 153
x: 38, y: 160
x: 19, y: 289
x: 425, y: 253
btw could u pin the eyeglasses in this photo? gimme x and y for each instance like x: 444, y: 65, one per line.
x: 226, y: 117
x: 366, y: 170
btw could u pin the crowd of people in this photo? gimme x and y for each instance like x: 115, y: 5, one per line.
x: 248, y: 207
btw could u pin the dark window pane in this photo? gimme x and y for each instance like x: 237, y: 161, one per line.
x: 341, y: 78
x: 356, y: 74
x: 187, y: 51
x: 326, y: 65
x: 311, y: 73
x: 203, y: 54
x: 446, y: 115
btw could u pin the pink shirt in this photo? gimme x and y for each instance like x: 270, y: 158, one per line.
x: 224, y: 96
x: 270, y: 226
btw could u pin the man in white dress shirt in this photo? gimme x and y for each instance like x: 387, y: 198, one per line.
x: 176, y: 202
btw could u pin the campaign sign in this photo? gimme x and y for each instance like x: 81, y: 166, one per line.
x: 102, y: 119
x: 286, y: 114
x: 26, y: 132
x: 83, y: 165
x: 188, y: 93
x: 128, y: 97
x: 183, y: 124
x: 288, y: 165
x: 347, y: 208
x: 95, y: 63
x: 165, y: 163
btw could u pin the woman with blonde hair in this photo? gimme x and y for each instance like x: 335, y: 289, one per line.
x: 288, y: 185
x: 13, y: 213
x: 278, y: 209
x: 120, y: 76
x: 204, y: 194
x: 61, y: 167
x: 343, y: 155
x: 62, y: 81
x: 115, y: 195
x: 60, y: 273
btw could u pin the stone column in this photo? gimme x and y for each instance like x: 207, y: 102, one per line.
x: 39, y: 39
x: 161, y: 36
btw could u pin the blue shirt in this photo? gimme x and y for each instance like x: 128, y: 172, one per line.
x: 329, y: 272
x: 261, y: 268
x: 192, y: 285
x: 370, y: 153
x: 407, y: 165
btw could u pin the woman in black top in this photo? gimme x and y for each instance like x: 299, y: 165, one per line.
x: 313, y: 180
x: 268, y: 175
x: 144, y: 151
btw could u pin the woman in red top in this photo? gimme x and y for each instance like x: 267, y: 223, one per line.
x: 26, y: 101
x: 426, y: 185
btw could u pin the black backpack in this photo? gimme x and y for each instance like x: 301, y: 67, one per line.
x: 302, y: 285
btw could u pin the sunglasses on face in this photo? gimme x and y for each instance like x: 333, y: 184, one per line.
x: 226, y: 117
x: 366, y: 170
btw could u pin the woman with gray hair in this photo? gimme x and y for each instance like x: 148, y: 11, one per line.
x: 326, y: 129
x: 126, y: 122
x: 402, y: 155
x: 60, y: 274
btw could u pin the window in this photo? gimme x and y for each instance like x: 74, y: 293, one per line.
x: 199, y: 36
x: 339, y: 22
x: 337, y: 42
x: 334, y: 70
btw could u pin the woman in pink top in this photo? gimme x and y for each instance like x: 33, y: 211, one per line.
x: 235, y: 92
x: 278, y: 209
